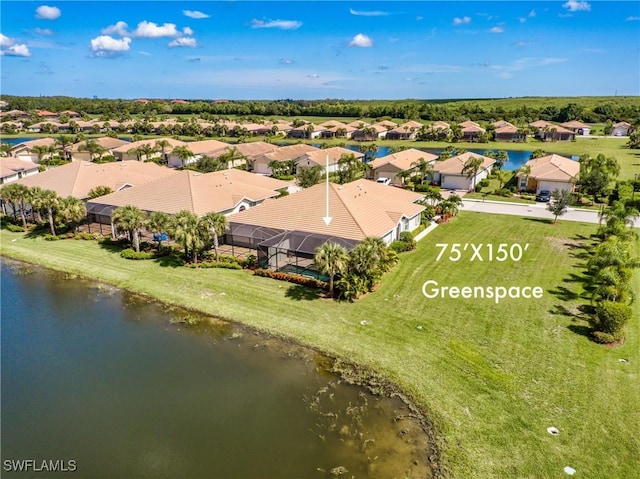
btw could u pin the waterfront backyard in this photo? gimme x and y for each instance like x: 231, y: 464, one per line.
x: 492, y: 377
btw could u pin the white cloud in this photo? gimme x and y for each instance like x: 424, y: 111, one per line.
x: 521, y: 43
x: 361, y: 40
x: 577, y: 6
x: 152, y: 30
x: 9, y: 47
x: 45, y: 12
x: 522, y: 19
x: 195, y: 14
x: 281, y: 24
x: 371, y: 13
x: 105, y: 46
x: 313, y: 75
x: 632, y: 19
x: 187, y: 31
x: 286, y: 61
x: 120, y: 28
x: 461, y: 21
x: 504, y: 75
x: 184, y: 42
x: 43, y: 31
x: 497, y: 30
x: 532, y: 14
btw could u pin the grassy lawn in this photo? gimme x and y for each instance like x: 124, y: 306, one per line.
x: 492, y: 376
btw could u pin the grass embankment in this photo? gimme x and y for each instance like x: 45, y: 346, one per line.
x: 492, y: 376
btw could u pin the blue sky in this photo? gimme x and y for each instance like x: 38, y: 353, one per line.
x: 320, y: 49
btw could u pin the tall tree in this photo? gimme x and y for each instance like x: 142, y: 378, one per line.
x: 423, y: 168
x: 471, y: 168
x: 98, y: 191
x: 524, y: 170
x: 596, y: 174
x: 189, y: 231
x: 310, y: 176
x: 157, y: 223
x: 94, y: 149
x: 72, y: 211
x: 331, y: 259
x: 162, y: 146
x: 348, y: 168
x: 41, y: 151
x: 48, y: 201
x: 147, y: 150
x: 16, y: 194
x: 183, y: 153
x: 537, y: 154
x: 130, y: 219
x: 216, y: 225
x: 559, y: 203
x: 64, y: 143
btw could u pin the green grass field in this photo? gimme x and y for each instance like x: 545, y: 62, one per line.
x: 491, y: 376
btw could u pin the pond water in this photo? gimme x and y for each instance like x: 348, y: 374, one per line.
x: 124, y: 388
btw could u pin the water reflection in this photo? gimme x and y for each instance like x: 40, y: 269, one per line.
x: 129, y: 388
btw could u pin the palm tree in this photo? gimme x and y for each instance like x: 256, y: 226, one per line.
x: 162, y: 145
x: 216, y: 224
x: 131, y: 219
x: 331, y: 259
x: 147, y: 150
x: 41, y: 150
x: 98, y: 191
x: 502, y: 177
x: 526, y: 171
x: 5, y: 149
x: 185, y: 228
x: 93, y: 148
x: 72, y: 210
x: 501, y: 158
x: 230, y: 156
x: 537, y: 154
x: 17, y: 193
x: 616, y: 218
x: 47, y: 200
x: 183, y: 153
x: 423, y: 168
x: 157, y: 223
x: 471, y: 168
x: 64, y: 142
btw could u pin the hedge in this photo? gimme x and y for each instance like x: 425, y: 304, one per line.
x: 292, y: 278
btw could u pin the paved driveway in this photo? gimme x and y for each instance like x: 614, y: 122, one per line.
x: 539, y: 210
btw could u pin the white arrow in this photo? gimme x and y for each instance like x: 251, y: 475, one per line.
x: 327, y: 219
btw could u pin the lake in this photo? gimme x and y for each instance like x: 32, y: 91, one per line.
x: 124, y: 387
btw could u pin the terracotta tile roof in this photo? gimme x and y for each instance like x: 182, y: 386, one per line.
x: 46, y: 113
x: 358, y: 124
x: 105, y: 142
x: 473, y: 129
x: 319, y: 156
x: 439, y: 125
x: 554, y: 167
x: 195, y: 192
x: 10, y: 166
x: 79, y: 177
x: 151, y: 141
x: 469, y: 123
x: 506, y: 128
x: 412, y: 124
x: 359, y: 209
x: 207, y: 147
x: 574, y: 124
x: 386, y: 123
x: 286, y: 153
x: 27, y: 145
x: 254, y: 148
x: 540, y: 124
x: 623, y: 124
x: 333, y: 124
x: 403, y: 160
x: 455, y: 164
x: 501, y: 124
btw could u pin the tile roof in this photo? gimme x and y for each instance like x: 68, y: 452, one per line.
x: 10, y: 166
x: 403, y: 160
x: 207, y: 147
x: 79, y: 177
x: 319, y: 156
x: 105, y: 142
x: 27, y: 145
x: 199, y: 193
x: 358, y: 209
x: 150, y: 141
x: 455, y: 164
x: 289, y: 152
x: 553, y: 167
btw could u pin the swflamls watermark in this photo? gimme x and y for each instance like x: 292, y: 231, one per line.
x: 36, y: 465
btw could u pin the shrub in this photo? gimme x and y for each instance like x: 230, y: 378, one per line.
x: 611, y: 317
x: 130, y: 253
x: 401, y: 246
x: 419, y: 230
x: 215, y: 264
x: 251, y: 261
x: 50, y: 237
x: 502, y: 192
x: 484, y: 182
x: 605, y: 338
x: 88, y: 236
x: 478, y: 188
x: 292, y: 278
x: 13, y: 228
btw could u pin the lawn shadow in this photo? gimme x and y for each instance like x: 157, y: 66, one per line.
x: 548, y: 221
x: 110, y: 246
x: 564, y: 294
x: 170, y: 261
x: 303, y: 293
x: 580, y: 329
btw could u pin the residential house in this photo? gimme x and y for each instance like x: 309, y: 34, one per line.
x: 14, y: 114
x: 12, y: 169
x: 406, y: 131
x: 213, y: 148
x: 47, y: 114
x: 286, y: 231
x: 471, y: 131
x: 392, y: 166
x: 71, y: 114
x: 282, y: 153
x: 577, y: 127
x: 319, y: 157
x: 79, y: 153
x: 130, y: 151
x: 551, y: 172
x: 308, y: 131
x: 25, y: 150
x: 547, y: 131
x: 505, y: 131
x: 369, y: 133
x: 449, y: 173
x: 438, y: 130
x: 78, y: 178
x: 621, y: 128
x: 225, y: 192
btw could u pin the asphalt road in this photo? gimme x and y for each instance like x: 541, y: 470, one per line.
x: 539, y: 210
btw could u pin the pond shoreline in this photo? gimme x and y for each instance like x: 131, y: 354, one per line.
x: 347, y: 371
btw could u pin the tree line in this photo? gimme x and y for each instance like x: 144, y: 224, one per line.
x: 596, y: 110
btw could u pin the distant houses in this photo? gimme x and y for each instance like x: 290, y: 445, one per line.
x: 394, y: 165
x: 551, y: 172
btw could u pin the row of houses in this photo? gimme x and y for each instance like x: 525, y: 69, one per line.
x: 356, y: 130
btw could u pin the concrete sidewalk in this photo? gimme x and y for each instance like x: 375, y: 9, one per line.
x: 539, y: 210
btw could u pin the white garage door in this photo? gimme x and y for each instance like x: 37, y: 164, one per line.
x: 455, y: 182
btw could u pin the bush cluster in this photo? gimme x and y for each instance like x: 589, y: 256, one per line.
x: 404, y: 243
x: 215, y: 264
x: 13, y: 228
x: 88, y: 236
x: 292, y: 278
x: 130, y: 253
